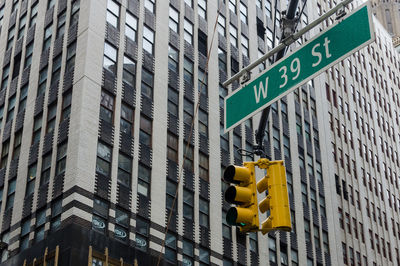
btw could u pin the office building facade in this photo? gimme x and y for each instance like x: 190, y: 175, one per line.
x: 112, y: 132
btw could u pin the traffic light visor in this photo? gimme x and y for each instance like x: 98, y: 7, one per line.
x: 236, y: 174
x: 238, y: 195
x: 239, y: 216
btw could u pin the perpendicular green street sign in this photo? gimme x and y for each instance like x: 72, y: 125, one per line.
x: 324, y: 50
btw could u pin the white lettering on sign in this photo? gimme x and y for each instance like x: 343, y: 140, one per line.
x: 261, y: 89
x: 284, y: 76
x: 327, y: 54
x: 318, y: 54
x: 294, y: 68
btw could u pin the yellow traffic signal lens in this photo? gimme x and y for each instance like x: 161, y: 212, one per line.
x: 264, y: 205
x: 238, y: 216
x: 237, y: 174
x: 238, y: 195
x: 262, y: 185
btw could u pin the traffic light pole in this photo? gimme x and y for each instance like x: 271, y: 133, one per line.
x: 288, y: 22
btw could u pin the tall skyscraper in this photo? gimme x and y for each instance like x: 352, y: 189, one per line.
x: 112, y: 141
x: 388, y: 13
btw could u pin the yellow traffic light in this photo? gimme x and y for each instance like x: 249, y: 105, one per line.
x: 244, y: 195
x: 277, y: 200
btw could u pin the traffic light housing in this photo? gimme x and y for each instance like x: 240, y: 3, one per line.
x: 277, y: 200
x: 244, y: 195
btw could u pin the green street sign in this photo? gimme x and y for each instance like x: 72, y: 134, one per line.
x: 324, y: 50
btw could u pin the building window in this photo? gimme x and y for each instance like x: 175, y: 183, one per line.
x: 173, y: 59
x: 61, y: 159
x: 40, y: 221
x: 30, y: 185
x: 222, y: 60
x: 47, y: 37
x: 188, y: 34
x: 202, y: 8
x: 124, y: 170
x: 126, y: 122
x: 74, y: 17
x: 34, y: 11
x: 11, y: 108
x: 189, y: 3
x: 10, y: 39
x: 22, y: 98
x: 203, y: 84
x: 4, y: 80
x: 37, y: 128
x: 188, y: 253
x: 106, y: 107
x: 188, y: 203
x: 170, y: 248
x: 272, y: 250
x: 28, y: 54
x: 149, y: 4
x: 51, y: 118
x: 148, y: 39
x: 110, y: 58
x: 46, y: 167
x: 203, y: 123
x: 221, y: 25
x: 233, y: 33
x: 100, y: 215
x: 61, y: 24
x: 17, y: 144
x: 202, y: 42
x: 142, y: 234
x: 2, y: 14
x: 170, y: 196
x: 66, y: 105
x: 147, y: 83
x: 4, y: 153
x: 103, y: 163
x: 145, y: 131
x: 172, y: 147
x: 51, y: 3
x: 10, y: 194
x: 307, y: 231
x: 21, y: 27
x: 121, y: 230
x: 245, y: 45
x: 204, y: 256
x: 203, y: 166
x: 130, y: 26
x: 188, y: 71
x: 253, y: 241
x: 129, y: 72
x: 243, y: 13
x: 226, y: 229
x: 24, y: 237
x: 188, y: 157
x: 113, y: 10
x: 70, y: 61
x: 204, y: 213
x: 144, y: 177
x: 56, y: 210
x: 232, y: 6
x: 173, y: 102
x: 173, y: 19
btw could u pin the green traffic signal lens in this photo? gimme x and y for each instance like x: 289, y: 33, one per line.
x: 231, y: 216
